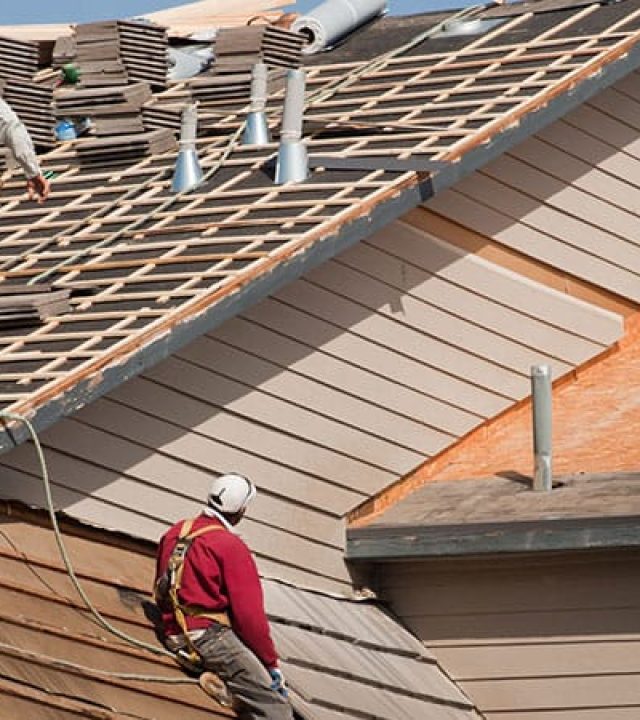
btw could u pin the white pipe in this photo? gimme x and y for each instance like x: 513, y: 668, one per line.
x: 330, y: 21
x: 542, y: 430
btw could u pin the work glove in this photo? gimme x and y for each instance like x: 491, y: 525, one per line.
x: 277, y: 682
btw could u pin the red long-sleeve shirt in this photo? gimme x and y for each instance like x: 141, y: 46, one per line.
x: 220, y: 574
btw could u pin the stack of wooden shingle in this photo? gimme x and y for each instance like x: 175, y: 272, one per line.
x: 230, y: 90
x: 238, y: 49
x: 113, y: 110
x: 20, y: 61
x: 31, y: 304
x: 33, y: 104
x: 117, y: 149
x: 115, y: 52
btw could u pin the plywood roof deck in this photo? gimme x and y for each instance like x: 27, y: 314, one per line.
x: 145, y: 263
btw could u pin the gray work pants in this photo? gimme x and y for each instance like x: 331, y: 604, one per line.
x: 249, y: 683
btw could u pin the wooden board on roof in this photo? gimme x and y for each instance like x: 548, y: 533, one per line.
x: 185, y: 20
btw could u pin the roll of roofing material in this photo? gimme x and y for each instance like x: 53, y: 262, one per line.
x: 330, y: 21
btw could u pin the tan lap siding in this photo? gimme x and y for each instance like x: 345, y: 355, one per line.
x: 550, y: 639
x: 568, y: 197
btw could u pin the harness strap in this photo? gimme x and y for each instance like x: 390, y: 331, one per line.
x: 176, y: 569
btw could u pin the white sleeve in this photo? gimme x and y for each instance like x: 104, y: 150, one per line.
x: 14, y: 135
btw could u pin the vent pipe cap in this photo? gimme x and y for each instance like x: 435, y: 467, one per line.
x: 187, y: 173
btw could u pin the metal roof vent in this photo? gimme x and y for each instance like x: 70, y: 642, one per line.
x: 465, y: 26
x: 256, y: 131
x: 541, y: 401
x: 187, y: 173
x: 293, y: 163
x: 332, y: 20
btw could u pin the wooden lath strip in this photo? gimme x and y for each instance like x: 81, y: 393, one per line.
x: 493, y: 104
x: 528, y: 105
x: 546, y: 41
x: 160, y: 261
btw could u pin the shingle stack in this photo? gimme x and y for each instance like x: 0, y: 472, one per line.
x: 115, y: 52
x: 117, y: 149
x: 238, y: 49
x: 33, y: 104
x: 230, y: 90
x: 114, y: 110
x: 20, y: 61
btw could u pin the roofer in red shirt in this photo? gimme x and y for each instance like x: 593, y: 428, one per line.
x: 209, y: 592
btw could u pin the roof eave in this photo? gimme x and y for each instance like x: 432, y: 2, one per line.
x: 97, y: 380
x: 405, y: 543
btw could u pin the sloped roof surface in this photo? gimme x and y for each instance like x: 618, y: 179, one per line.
x: 155, y: 270
x: 349, y: 659
x: 343, y: 659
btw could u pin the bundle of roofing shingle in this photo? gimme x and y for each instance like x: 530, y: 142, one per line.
x: 239, y: 49
x: 115, y: 52
x: 232, y: 88
x: 19, y: 58
x: 31, y: 304
x: 33, y: 104
x: 117, y: 149
x: 113, y: 110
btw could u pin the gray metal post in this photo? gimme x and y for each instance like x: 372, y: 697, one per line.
x: 542, y: 427
x: 256, y: 130
x: 187, y: 173
x: 292, y: 164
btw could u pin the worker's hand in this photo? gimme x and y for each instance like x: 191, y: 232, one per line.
x: 38, y: 188
x: 277, y: 682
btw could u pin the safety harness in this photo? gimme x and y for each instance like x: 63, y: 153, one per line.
x: 168, y: 587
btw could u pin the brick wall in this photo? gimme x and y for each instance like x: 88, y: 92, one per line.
x: 596, y: 428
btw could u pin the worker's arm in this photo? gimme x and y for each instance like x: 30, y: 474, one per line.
x: 246, y: 602
x: 14, y: 135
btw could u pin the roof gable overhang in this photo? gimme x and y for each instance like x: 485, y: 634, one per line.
x: 165, y: 336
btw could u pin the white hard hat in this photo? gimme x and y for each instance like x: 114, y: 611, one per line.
x: 230, y: 493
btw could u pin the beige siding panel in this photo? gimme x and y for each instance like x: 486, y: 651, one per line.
x: 605, y: 127
x: 463, y: 402
x: 393, y: 334
x: 629, y: 85
x: 551, y: 220
x: 511, y: 660
x: 417, y: 373
x: 546, y: 248
x: 587, y: 212
x: 195, y: 451
x: 550, y: 155
x: 406, y: 309
x: 241, y: 351
x: 27, y: 485
x: 619, y: 105
x: 541, y: 694
x: 302, y: 405
x: 462, y: 276
x: 559, y: 634
x: 142, y: 474
x: 610, y: 713
x: 198, y: 416
x: 533, y: 338
x: 618, y: 168
x: 126, y: 505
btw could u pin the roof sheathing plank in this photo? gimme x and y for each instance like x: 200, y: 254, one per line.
x: 293, y: 231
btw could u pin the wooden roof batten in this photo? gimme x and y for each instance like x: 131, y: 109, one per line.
x: 386, y: 200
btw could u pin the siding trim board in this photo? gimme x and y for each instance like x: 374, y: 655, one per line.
x: 132, y: 357
x: 386, y: 544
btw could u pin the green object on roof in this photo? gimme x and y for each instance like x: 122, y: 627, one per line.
x: 70, y: 74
